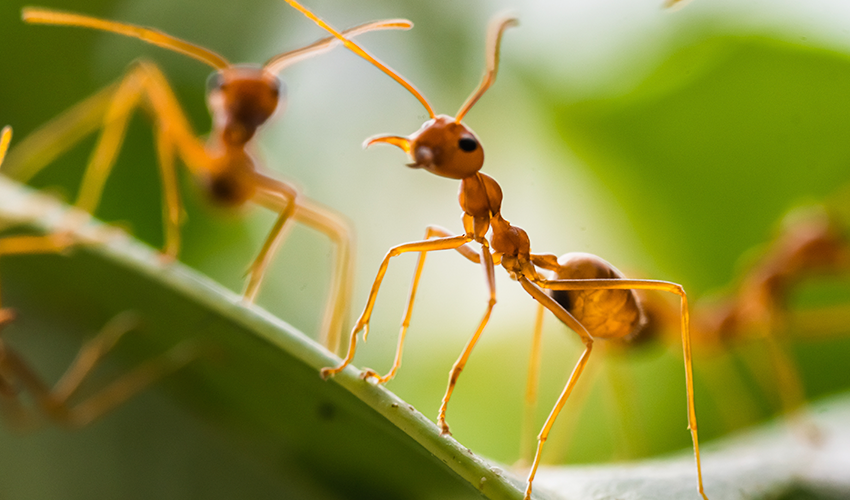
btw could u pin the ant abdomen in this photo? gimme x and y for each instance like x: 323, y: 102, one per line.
x: 606, y: 314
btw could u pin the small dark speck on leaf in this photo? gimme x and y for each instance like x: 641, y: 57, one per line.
x: 394, y: 405
x: 411, y: 408
x: 326, y: 411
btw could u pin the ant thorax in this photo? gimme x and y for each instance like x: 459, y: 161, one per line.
x: 480, y: 196
x: 229, y: 180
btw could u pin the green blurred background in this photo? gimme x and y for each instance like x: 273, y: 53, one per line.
x: 670, y: 143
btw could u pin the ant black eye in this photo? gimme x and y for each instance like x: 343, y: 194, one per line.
x: 467, y: 144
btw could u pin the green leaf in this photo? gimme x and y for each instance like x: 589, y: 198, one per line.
x: 344, y: 438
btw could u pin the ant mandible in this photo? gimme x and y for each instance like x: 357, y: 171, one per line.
x: 601, y: 302
x: 241, y: 98
x: 53, y: 402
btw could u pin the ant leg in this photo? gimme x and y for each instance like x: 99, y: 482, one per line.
x: 172, y: 208
x: 282, y: 198
x: 49, y: 141
x: 448, y: 243
x: 171, y: 129
x: 558, y: 450
x: 54, y: 402
x: 790, y: 389
x: 791, y: 394
x: 454, y: 373
x: 724, y: 383
x: 430, y: 232
x: 342, y: 281
x: 91, y: 353
x: 531, y: 388
x: 130, y: 384
x: 568, y: 319
x: 622, y: 401
x: 627, y: 284
x: 110, y: 110
x: 21, y: 245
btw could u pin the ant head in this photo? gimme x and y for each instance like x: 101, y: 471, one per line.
x: 442, y: 146
x: 241, y: 98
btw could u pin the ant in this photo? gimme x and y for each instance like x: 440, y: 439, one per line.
x: 53, y: 402
x: 600, y: 302
x: 241, y: 98
x: 810, y: 243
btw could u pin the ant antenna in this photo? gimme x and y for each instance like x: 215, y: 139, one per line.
x: 365, y: 55
x: 5, y: 139
x: 277, y: 63
x: 494, y: 42
x: 37, y: 15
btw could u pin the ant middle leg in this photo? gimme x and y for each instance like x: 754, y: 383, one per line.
x: 430, y: 233
x: 423, y: 246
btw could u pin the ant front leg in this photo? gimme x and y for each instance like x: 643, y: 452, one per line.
x: 627, y: 284
x: 143, y: 86
x: 447, y: 243
x: 430, y: 233
x: 283, y: 198
x: 454, y: 373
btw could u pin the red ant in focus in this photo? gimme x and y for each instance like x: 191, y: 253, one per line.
x: 588, y: 294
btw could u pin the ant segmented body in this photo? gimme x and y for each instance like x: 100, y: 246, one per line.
x: 241, y: 99
x: 603, y: 303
